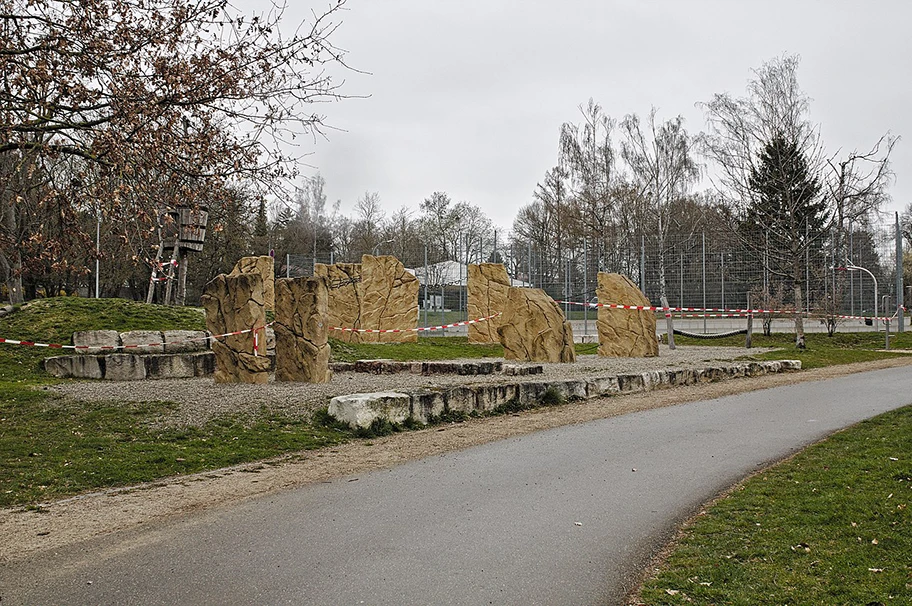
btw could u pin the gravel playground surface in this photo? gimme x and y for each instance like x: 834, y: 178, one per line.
x: 200, y: 400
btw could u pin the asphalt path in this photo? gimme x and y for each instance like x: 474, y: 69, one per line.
x: 565, y: 516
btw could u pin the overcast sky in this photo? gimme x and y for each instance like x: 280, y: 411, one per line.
x: 468, y: 96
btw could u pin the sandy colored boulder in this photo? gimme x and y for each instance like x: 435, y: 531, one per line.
x: 533, y: 328
x: 389, y: 300
x: 624, y: 333
x: 235, y: 303
x: 343, y: 281
x: 302, y: 351
x: 487, y: 288
x: 265, y: 267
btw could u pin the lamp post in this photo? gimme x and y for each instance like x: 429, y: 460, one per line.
x: 97, y: 251
x: 850, y: 267
x: 379, y: 244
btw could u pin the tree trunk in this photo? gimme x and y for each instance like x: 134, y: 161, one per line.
x: 669, y: 323
x: 799, y: 320
x: 12, y: 277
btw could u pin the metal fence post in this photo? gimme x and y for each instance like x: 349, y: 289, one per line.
x: 704, y: 282
x: 586, y: 286
x: 900, y: 296
x: 643, y: 263
x: 425, y: 284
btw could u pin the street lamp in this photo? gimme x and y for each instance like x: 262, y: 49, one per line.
x: 851, y: 267
x: 379, y: 244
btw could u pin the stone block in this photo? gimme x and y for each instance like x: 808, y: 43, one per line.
x: 302, y: 348
x: 389, y: 300
x: 426, y: 405
x: 343, y: 281
x: 789, y: 365
x: 78, y: 366
x: 534, y: 329
x: 602, y: 386
x: 234, y: 304
x: 146, y: 341
x: 655, y: 379
x: 382, y: 367
x: 170, y: 366
x: 489, y: 397
x: 486, y: 287
x: 124, y: 367
x: 630, y: 383
x: 772, y: 366
x: 360, y: 410
x: 460, y: 399
x: 571, y: 390
x: 342, y: 366
x: 203, y: 363
x: 711, y: 374
x: 264, y: 266
x: 531, y: 393
x: 624, y: 333
x: 185, y: 341
x: 517, y: 370
x: 96, y: 341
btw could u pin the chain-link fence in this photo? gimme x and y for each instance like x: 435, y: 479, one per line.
x: 705, y: 270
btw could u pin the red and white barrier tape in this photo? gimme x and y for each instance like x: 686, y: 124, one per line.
x: 419, y: 329
x: 136, y: 345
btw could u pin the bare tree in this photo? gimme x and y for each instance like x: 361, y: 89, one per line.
x: 768, y: 157
x: 140, y: 97
x: 663, y: 168
x: 856, y: 186
x: 369, y: 223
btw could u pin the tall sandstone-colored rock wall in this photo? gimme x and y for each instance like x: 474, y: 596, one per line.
x: 534, y: 328
x: 624, y: 333
x: 389, y: 300
x: 265, y: 267
x: 487, y: 288
x: 235, y: 303
x: 343, y: 281
x: 302, y: 350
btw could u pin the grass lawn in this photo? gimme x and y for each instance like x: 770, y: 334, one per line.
x: 820, y: 350
x: 832, y: 525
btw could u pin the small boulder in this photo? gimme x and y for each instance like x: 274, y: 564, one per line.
x: 360, y: 410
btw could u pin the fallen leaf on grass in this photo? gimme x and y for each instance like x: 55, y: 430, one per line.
x: 875, y: 569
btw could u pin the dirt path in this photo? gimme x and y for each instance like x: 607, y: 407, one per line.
x: 71, y: 521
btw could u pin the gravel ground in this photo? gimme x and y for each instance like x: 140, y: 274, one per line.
x: 199, y: 400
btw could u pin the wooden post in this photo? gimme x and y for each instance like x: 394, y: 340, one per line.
x: 669, y: 323
x: 750, y: 324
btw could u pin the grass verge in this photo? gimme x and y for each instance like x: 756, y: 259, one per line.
x: 831, y: 525
x: 820, y: 350
x: 51, y: 448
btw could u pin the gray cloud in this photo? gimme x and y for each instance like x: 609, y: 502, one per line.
x: 467, y: 97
